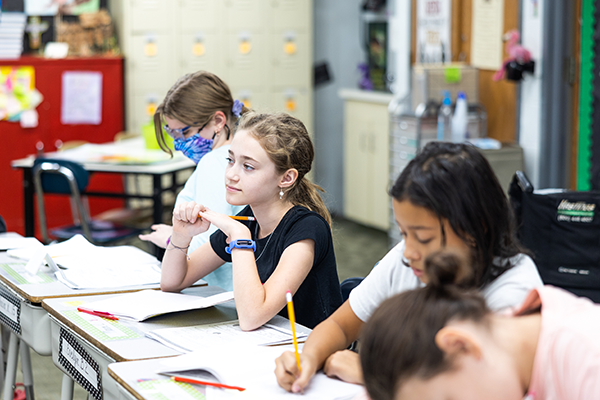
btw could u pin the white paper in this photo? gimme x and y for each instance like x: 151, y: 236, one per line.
x: 144, y: 304
x: 433, y: 31
x: 81, y: 98
x: 41, y: 7
x: 252, y: 368
x: 196, y: 338
x: 56, y: 50
x: 36, y: 261
x: 12, y: 240
x: 90, y: 267
x: 486, y: 36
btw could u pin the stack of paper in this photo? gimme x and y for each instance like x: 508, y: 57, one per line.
x: 139, y: 306
x: 12, y: 240
x: 12, y: 26
x: 86, y: 266
x: 196, y: 338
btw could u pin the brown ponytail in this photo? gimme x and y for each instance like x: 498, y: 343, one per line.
x: 288, y: 145
x: 398, y: 342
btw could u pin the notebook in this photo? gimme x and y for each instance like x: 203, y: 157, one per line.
x: 250, y: 367
x: 139, y: 306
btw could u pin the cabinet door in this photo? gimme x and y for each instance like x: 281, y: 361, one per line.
x: 378, y: 147
x: 356, y: 169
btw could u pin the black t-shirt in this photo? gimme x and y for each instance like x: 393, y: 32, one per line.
x: 319, y: 295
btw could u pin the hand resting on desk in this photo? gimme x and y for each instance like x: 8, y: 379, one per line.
x: 159, y: 235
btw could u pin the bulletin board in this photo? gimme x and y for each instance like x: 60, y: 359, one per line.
x: 499, y: 98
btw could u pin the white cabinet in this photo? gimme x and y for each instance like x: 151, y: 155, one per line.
x: 366, y: 158
x: 261, y: 48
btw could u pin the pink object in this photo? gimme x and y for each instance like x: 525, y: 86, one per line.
x: 515, y: 51
x: 567, y: 360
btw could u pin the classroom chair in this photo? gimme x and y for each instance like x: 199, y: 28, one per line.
x: 58, y: 176
x: 562, y: 229
x: 347, y: 285
x: 2, y: 225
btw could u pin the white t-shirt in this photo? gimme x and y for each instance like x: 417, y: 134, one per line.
x: 206, y: 186
x: 390, y: 276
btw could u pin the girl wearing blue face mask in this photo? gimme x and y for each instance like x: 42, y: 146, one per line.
x: 199, y: 113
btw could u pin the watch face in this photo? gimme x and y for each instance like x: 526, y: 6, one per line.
x: 244, y: 242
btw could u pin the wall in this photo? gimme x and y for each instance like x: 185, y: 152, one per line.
x: 336, y: 41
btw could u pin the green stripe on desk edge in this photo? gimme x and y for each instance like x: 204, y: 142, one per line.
x: 128, y: 333
x: 18, y: 278
x: 150, y: 389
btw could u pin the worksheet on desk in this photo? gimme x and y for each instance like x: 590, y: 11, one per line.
x: 194, y: 338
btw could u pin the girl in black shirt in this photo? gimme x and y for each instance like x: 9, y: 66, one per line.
x: 287, y: 247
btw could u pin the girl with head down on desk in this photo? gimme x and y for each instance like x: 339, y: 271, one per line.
x: 288, y: 246
x: 443, y: 342
x: 199, y: 113
x: 447, y: 197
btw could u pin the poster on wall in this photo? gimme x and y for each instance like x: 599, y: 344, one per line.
x: 81, y: 101
x: 486, y: 34
x: 434, y: 18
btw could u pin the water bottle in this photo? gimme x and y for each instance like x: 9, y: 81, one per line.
x: 444, y: 130
x: 460, y: 119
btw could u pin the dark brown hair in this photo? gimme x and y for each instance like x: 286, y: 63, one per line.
x: 193, y: 100
x: 398, y: 341
x: 288, y: 145
x: 457, y: 183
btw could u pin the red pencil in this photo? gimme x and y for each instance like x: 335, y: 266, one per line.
x: 97, y: 313
x: 197, y: 382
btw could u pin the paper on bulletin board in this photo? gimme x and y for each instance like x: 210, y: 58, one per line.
x: 51, y: 7
x: 81, y: 101
x: 486, y: 34
x: 434, y: 20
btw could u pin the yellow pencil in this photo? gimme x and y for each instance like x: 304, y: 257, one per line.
x: 239, y: 217
x: 242, y: 218
x: 290, y: 307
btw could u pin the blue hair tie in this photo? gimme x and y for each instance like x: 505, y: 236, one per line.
x: 237, y: 108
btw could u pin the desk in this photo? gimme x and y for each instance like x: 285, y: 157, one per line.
x: 99, y: 350
x: 22, y: 313
x: 103, y: 162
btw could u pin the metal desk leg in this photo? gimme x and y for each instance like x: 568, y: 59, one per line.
x: 26, y: 369
x: 157, y: 199
x: 28, y: 190
x: 66, y: 392
x: 11, y: 367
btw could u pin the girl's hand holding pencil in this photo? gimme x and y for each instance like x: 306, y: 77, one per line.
x: 289, y: 376
x: 229, y: 226
x: 186, y: 220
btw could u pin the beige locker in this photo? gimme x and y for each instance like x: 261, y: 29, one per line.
x: 253, y: 97
x: 290, y: 14
x: 197, y: 15
x: 201, y: 50
x: 296, y: 101
x: 149, y: 15
x: 150, y: 71
x: 289, y: 51
x: 244, y: 14
x: 245, y: 57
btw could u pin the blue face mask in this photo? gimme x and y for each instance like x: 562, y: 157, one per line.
x: 194, y: 147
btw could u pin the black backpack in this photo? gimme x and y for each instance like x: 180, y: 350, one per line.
x: 562, y: 229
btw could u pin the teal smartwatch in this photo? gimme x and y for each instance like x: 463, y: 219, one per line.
x: 240, y: 244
